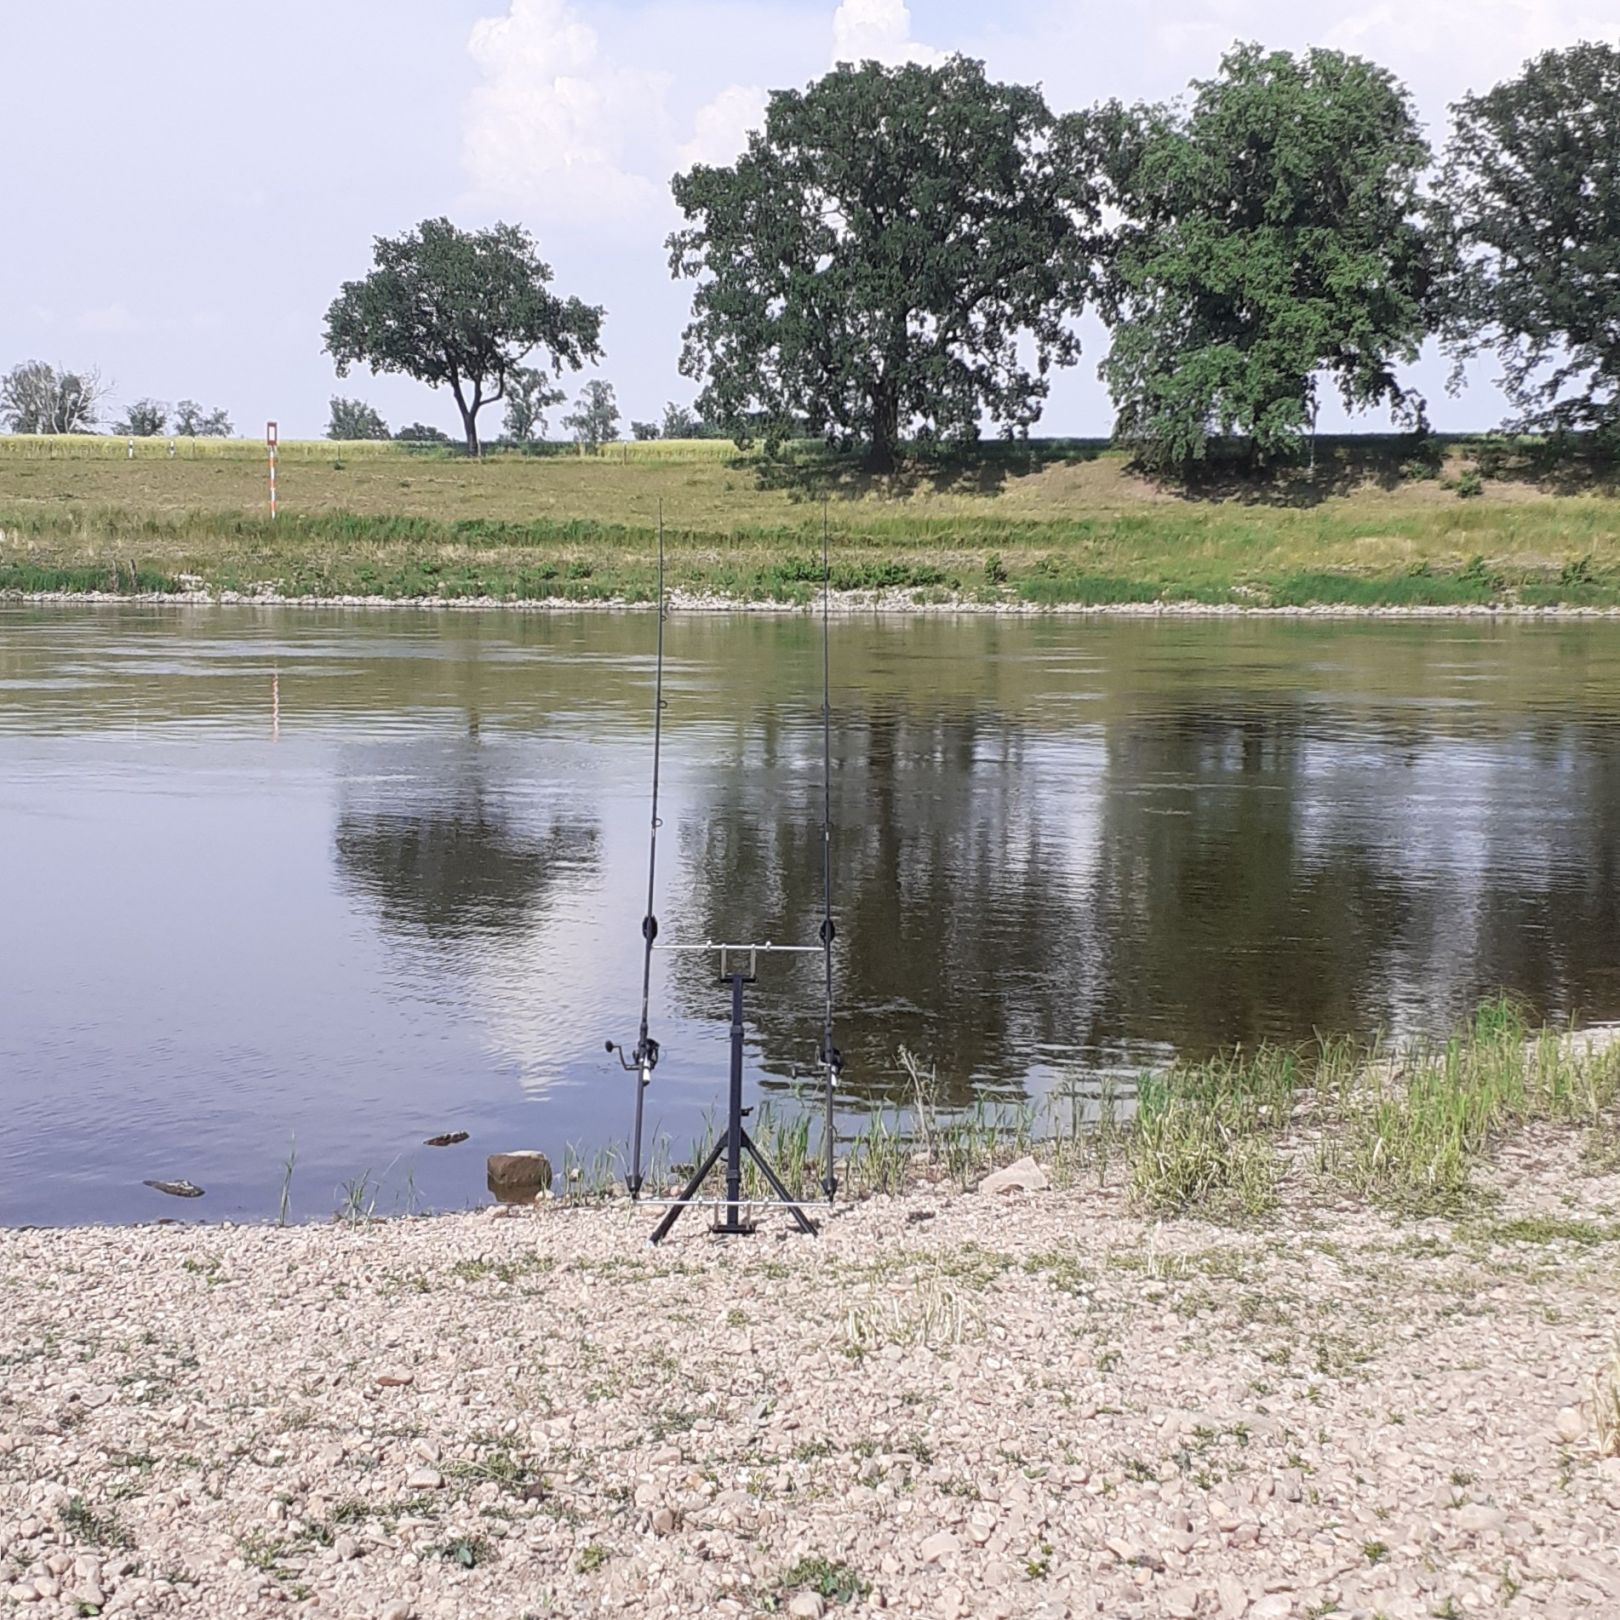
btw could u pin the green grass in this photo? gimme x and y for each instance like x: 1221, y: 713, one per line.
x: 1406, y: 1130
x: 1050, y: 524
x: 836, y: 1582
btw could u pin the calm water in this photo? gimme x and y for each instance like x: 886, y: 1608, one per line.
x: 356, y: 879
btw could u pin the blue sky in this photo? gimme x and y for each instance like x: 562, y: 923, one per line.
x: 192, y: 180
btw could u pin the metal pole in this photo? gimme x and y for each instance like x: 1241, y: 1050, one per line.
x: 734, y: 1130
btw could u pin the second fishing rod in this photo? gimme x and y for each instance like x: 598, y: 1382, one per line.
x: 737, y: 962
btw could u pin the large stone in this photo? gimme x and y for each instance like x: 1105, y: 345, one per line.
x: 1480, y: 1519
x: 1023, y: 1175
x: 519, y: 1178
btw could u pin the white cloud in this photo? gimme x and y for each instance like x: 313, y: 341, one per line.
x: 721, y: 128
x: 877, y: 31
x: 554, y: 126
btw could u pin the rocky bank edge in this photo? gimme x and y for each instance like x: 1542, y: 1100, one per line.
x: 843, y: 603
x: 1032, y: 1405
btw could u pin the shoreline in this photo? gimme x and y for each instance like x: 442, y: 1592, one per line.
x: 947, y: 1404
x: 845, y: 604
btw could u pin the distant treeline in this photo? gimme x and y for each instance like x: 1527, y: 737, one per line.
x: 900, y: 255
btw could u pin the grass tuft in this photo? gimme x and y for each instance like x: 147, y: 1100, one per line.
x: 835, y: 1582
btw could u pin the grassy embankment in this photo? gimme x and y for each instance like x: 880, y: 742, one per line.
x: 1053, y: 523
x: 1239, y: 1137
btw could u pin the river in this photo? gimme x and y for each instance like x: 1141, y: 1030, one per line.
x: 325, y: 883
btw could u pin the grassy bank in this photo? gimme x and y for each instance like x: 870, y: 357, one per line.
x: 1054, y: 525
x: 1414, y: 1132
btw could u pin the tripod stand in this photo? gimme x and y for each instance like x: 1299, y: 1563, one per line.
x: 736, y: 1141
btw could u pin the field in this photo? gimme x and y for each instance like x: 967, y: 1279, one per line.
x: 1053, y: 523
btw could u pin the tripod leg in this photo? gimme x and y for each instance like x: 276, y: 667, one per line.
x: 805, y: 1223
x: 693, y: 1188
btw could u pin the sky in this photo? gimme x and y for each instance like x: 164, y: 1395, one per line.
x: 192, y: 181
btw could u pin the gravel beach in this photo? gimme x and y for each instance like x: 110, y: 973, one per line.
x: 1031, y: 1404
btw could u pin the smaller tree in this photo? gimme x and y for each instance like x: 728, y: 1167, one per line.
x: 145, y: 419
x: 463, y: 308
x: 354, y: 419
x: 421, y: 433
x: 594, y: 419
x: 191, y: 421
x: 680, y: 422
x: 529, y: 395
x: 37, y: 398
x: 644, y: 430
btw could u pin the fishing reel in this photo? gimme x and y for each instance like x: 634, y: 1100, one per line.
x: 643, y: 1060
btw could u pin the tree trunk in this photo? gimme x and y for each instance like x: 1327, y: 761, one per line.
x: 880, y: 457
x: 469, y: 417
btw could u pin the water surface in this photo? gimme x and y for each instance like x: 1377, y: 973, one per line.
x: 352, y: 879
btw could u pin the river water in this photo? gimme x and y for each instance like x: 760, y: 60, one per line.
x: 329, y: 883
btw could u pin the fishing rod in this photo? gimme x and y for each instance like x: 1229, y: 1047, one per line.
x: 644, y: 1059
x: 831, y: 1059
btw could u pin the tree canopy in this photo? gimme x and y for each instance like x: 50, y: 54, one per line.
x: 191, y: 421
x: 886, y: 253
x: 36, y: 397
x: 529, y: 395
x: 145, y: 419
x: 1532, y: 183
x: 462, y: 308
x: 594, y: 419
x: 354, y: 419
x: 1270, y: 232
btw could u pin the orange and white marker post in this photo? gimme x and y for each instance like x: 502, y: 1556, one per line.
x: 270, y: 444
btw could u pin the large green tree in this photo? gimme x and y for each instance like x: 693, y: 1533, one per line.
x: 1532, y: 183
x: 463, y: 308
x: 897, y: 248
x: 1271, y: 231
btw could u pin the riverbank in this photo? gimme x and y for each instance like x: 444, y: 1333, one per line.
x: 1074, y: 528
x: 1037, y: 1403
x: 842, y: 604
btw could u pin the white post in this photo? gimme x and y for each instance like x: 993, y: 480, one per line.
x: 270, y: 441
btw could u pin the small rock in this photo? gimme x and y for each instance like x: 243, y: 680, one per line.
x: 1234, y: 1600
x: 395, y: 1380
x: 1479, y: 1519
x: 518, y: 1178
x: 939, y: 1545
x: 807, y: 1606
x: 1276, y: 1606
x: 663, y: 1521
x: 1571, y: 1425
x: 399, y: 1609
x: 345, y: 1548
x: 423, y: 1479
x: 1024, y: 1175
x: 1181, y: 1602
